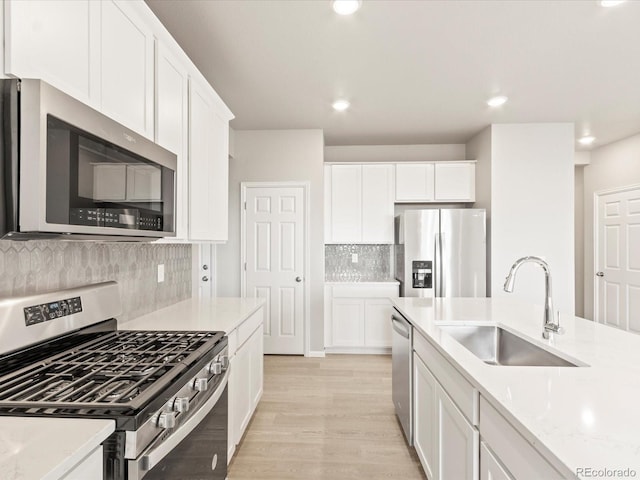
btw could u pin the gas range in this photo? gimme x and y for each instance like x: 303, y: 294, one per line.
x: 158, y: 386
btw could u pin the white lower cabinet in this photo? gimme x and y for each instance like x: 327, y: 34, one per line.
x: 449, y: 419
x: 490, y: 468
x: 457, y: 441
x: 511, y: 449
x: 358, y: 317
x: 246, y: 376
x: 445, y: 441
x: 91, y: 467
x: 425, y: 430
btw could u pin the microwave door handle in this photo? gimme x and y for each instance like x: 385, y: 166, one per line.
x: 153, y: 456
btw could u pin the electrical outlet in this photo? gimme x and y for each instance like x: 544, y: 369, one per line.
x: 354, y: 258
x: 160, y: 272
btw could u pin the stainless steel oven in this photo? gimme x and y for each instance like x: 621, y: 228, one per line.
x: 61, y: 355
x: 70, y: 170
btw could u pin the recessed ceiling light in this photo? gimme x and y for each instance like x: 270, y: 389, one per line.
x: 340, y: 105
x: 611, y: 3
x: 346, y: 7
x: 586, y: 140
x: 497, y: 101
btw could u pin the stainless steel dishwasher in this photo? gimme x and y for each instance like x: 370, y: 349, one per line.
x: 402, y: 373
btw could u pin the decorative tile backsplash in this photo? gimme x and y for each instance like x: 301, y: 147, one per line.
x: 38, y: 266
x: 374, y: 263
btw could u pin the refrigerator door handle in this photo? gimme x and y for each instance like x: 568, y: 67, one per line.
x: 440, y: 267
x: 436, y: 267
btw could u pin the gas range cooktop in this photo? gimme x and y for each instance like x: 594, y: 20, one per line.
x: 119, y: 371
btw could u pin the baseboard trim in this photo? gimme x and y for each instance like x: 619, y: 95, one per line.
x: 316, y: 353
x: 359, y: 350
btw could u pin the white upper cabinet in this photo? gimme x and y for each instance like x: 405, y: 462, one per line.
x: 359, y: 203
x: 54, y: 41
x: 378, y: 191
x: 126, y: 67
x: 435, y: 182
x: 102, y: 53
x: 414, y: 182
x: 172, y: 108
x: 346, y: 203
x: 209, y: 166
x: 455, y: 182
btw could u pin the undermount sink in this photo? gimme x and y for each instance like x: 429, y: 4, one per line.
x: 496, y: 346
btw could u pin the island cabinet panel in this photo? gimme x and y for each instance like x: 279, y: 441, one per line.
x: 445, y: 439
x: 458, y: 441
x: 490, y: 468
x: 425, y: 432
x: 510, y: 448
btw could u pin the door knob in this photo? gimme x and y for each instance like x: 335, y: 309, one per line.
x: 298, y: 279
x: 205, y: 267
x: 205, y: 279
x: 600, y: 274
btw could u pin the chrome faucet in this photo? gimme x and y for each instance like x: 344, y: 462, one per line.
x: 551, y: 322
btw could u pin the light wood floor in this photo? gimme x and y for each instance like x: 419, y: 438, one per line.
x: 325, y: 418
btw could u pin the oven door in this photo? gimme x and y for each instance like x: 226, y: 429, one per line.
x: 196, y: 450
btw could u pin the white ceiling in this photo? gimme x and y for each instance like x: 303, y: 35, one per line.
x: 416, y: 71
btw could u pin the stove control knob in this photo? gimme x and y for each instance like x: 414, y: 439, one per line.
x: 167, y: 420
x: 180, y: 404
x: 200, y: 384
x: 225, y: 361
x: 215, y: 368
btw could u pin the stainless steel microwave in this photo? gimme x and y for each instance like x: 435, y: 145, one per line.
x: 69, y: 171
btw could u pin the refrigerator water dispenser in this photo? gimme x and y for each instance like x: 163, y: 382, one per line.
x: 422, y: 274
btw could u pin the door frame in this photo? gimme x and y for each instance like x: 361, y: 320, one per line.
x: 596, y: 243
x: 305, y: 185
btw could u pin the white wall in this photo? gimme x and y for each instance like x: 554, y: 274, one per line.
x: 579, y: 238
x: 532, y: 203
x: 394, y: 153
x: 479, y: 149
x: 612, y: 166
x: 277, y: 155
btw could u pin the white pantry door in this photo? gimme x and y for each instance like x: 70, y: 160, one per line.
x: 274, y: 253
x: 617, y: 282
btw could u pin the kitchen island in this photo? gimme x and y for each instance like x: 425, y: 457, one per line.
x: 580, y: 420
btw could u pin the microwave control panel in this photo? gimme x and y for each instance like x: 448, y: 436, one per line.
x: 117, y: 218
x: 45, y: 312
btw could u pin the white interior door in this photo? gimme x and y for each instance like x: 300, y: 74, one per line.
x: 274, y: 263
x: 617, y: 282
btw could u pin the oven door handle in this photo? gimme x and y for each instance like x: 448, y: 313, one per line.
x: 151, y: 458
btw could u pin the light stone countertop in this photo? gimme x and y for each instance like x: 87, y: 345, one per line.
x: 576, y: 417
x: 47, y: 448
x: 205, y: 314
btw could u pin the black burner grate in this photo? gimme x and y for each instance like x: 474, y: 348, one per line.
x: 119, y: 370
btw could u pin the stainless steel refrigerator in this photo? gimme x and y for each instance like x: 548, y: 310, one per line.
x: 441, y: 253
